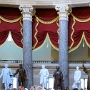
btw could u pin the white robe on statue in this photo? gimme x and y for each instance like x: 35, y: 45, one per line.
x: 44, y: 74
x: 5, y: 74
x: 77, y: 77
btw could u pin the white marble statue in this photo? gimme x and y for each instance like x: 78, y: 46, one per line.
x: 5, y: 74
x: 44, y: 74
x: 77, y: 77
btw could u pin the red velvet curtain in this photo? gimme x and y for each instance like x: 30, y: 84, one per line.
x: 79, y: 27
x: 10, y: 20
x: 42, y: 29
x: 45, y: 24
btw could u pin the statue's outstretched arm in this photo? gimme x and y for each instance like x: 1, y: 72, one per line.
x: 83, y: 64
x: 16, y: 72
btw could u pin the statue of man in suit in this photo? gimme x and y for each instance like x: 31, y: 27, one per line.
x: 77, y: 79
x: 44, y: 74
x: 22, y: 75
x: 58, y: 78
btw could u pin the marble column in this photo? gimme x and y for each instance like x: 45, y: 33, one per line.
x: 63, y: 11
x: 27, y: 12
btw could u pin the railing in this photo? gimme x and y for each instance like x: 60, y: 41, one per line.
x: 79, y: 62
x: 10, y: 61
x: 48, y: 62
x: 20, y: 61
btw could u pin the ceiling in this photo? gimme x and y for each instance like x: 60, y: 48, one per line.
x: 44, y: 3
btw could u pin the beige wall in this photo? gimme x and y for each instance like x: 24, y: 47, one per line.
x: 50, y: 54
x: 80, y: 54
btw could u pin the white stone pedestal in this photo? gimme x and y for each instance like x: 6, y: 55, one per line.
x: 14, y: 82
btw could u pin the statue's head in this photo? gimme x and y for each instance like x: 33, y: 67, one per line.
x: 43, y: 66
x: 77, y: 67
x: 20, y: 65
x: 57, y: 67
x: 6, y: 65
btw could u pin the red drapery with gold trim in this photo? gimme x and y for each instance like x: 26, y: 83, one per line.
x: 10, y: 20
x: 45, y: 23
x: 79, y: 27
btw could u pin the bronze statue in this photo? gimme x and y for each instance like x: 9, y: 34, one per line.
x: 58, y: 78
x: 88, y: 73
x: 22, y: 77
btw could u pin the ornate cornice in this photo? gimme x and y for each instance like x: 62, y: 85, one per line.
x: 44, y: 3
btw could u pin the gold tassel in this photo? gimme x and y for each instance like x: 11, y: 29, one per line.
x: 47, y: 42
x: 83, y: 42
x: 47, y: 45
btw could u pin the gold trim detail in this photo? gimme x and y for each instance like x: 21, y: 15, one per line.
x: 47, y: 37
x: 83, y: 35
x: 47, y: 22
x: 14, y: 42
x: 10, y: 21
x: 13, y: 21
x: 86, y: 42
x: 21, y: 31
x: 80, y: 20
x: 72, y: 33
x: 77, y: 44
x: 40, y: 45
x: 51, y: 42
x: 44, y: 22
x: 36, y: 34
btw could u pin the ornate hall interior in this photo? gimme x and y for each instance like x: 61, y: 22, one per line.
x: 49, y: 32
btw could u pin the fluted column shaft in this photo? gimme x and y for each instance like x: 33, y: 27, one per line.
x: 27, y: 13
x: 63, y: 41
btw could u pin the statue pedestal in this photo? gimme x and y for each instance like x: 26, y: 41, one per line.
x: 76, y: 85
x: 14, y: 82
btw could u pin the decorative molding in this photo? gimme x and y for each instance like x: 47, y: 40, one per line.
x: 63, y: 10
x: 44, y: 3
x: 27, y: 12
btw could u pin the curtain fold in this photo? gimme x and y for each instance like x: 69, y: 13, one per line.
x: 9, y: 13
x: 54, y: 39
x: 10, y: 20
x: 45, y: 22
x: 79, y: 27
x: 17, y: 37
x: 3, y: 36
x: 87, y: 37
